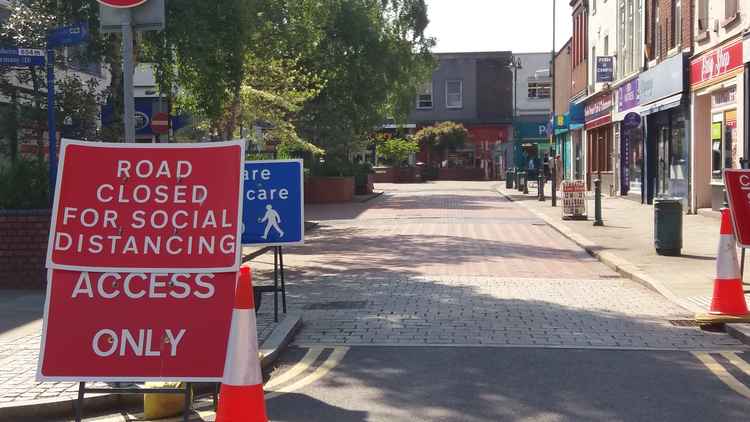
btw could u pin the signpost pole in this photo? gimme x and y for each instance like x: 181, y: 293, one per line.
x: 51, y: 129
x: 127, y: 76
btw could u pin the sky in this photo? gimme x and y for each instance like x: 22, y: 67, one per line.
x: 521, y: 26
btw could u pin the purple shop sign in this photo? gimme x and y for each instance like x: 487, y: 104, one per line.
x: 627, y: 96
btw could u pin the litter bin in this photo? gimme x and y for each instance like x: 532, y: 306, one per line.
x: 668, y: 226
x: 521, y: 180
x: 509, y: 179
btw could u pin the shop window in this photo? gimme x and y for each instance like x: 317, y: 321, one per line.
x: 600, y: 151
x: 454, y: 94
x: 424, y: 96
x: 723, y: 143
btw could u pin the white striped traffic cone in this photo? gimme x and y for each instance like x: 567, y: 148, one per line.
x: 241, y: 396
x: 728, y: 298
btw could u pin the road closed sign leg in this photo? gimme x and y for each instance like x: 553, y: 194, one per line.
x: 136, y: 326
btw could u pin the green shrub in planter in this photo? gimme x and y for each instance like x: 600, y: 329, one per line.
x: 24, y: 184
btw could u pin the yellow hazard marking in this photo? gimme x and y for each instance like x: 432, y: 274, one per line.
x: 333, y: 360
x: 717, y: 369
x: 737, y: 361
x: 303, y: 365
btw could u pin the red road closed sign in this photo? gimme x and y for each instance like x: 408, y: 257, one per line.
x: 738, y: 192
x: 147, y: 207
x: 122, y: 3
x: 136, y: 326
x: 160, y: 123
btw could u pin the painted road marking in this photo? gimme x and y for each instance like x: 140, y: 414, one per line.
x: 721, y: 372
x: 303, y: 365
x: 331, y: 362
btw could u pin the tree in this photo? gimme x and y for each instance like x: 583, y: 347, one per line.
x: 396, y: 151
x: 372, y: 56
x: 442, y: 137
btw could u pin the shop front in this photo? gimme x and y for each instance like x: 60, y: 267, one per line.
x: 531, y: 144
x: 599, y: 141
x: 629, y: 139
x: 716, y: 78
x: 561, y: 123
x: 666, y: 121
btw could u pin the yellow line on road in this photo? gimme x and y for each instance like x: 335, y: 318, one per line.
x: 312, y: 354
x: 333, y: 360
x: 737, y: 361
x: 717, y: 369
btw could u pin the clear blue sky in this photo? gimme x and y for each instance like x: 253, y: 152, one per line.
x: 490, y: 25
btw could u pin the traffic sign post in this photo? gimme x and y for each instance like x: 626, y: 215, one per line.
x: 160, y: 123
x: 151, y: 207
x: 273, y: 210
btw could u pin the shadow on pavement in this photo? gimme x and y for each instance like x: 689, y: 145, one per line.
x: 294, y: 407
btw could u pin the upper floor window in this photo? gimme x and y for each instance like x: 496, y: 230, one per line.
x: 454, y: 93
x: 676, y: 39
x: 424, y: 96
x: 702, y: 15
x: 540, y: 89
x: 730, y: 9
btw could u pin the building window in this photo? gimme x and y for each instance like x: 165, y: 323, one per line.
x: 454, y: 94
x: 600, y: 147
x: 592, y: 79
x: 630, y: 48
x: 702, y: 15
x: 424, y: 96
x: 723, y: 143
x: 593, y: 7
x: 657, y: 32
x: 540, y: 89
x: 621, y: 50
x: 676, y: 23
x: 606, y: 45
x: 730, y: 9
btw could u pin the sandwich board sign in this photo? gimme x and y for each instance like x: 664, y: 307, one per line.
x: 273, y: 210
x: 150, y: 207
x: 738, y: 194
x: 142, y: 262
x: 574, y: 200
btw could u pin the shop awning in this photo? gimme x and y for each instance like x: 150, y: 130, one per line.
x: 661, y: 105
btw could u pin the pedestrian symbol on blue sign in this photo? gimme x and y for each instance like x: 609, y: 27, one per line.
x: 273, y: 204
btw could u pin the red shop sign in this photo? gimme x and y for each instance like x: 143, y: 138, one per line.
x: 716, y: 63
x: 147, y: 207
x: 738, y: 192
x: 135, y: 326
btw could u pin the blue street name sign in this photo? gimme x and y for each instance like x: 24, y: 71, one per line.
x: 21, y: 57
x: 273, y: 207
x: 67, y: 35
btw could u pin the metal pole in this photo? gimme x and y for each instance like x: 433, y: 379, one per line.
x: 554, y: 139
x: 598, y: 202
x: 127, y: 76
x: 51, y: 124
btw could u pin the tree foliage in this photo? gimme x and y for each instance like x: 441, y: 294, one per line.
x: 396, y: 151
x: 443, y: 136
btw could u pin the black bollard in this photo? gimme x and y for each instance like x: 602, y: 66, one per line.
x: 554, y: 188
x: 540, y: 185
x: 598, y: 203
x: 525, y: 183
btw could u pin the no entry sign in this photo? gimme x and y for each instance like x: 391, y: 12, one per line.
x: 136, y: 326
x: 122, y: 3
x: 738, y: 192
x: 147, y: 207
x: 273, y: 210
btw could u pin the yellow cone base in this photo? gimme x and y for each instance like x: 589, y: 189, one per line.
x: 708, y: 319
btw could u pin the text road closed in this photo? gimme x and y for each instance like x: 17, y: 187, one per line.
x: 147, y: 207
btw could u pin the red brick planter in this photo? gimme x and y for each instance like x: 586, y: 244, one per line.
x: 459, y: 173
x: 385, y: 174
x: 325, y: 190
x: 368, y: 187
x: 23, y: 248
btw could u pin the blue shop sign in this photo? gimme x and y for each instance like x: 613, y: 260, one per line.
x: 530, y: 130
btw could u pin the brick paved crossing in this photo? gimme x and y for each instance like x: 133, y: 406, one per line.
x: 454, y: 263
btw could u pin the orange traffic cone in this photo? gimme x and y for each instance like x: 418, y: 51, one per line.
x: 241, y: 396
x: 728, y: 299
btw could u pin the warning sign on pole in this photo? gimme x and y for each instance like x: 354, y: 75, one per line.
x: 147, y: 207
x: 136, y: 326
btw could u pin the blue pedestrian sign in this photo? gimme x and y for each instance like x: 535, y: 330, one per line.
x: 67, y: 35
x: 273, y: 207
x: 21, y: 57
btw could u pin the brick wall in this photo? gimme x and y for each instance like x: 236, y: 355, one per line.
x: 23, y: 248
x: 665, y: 25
